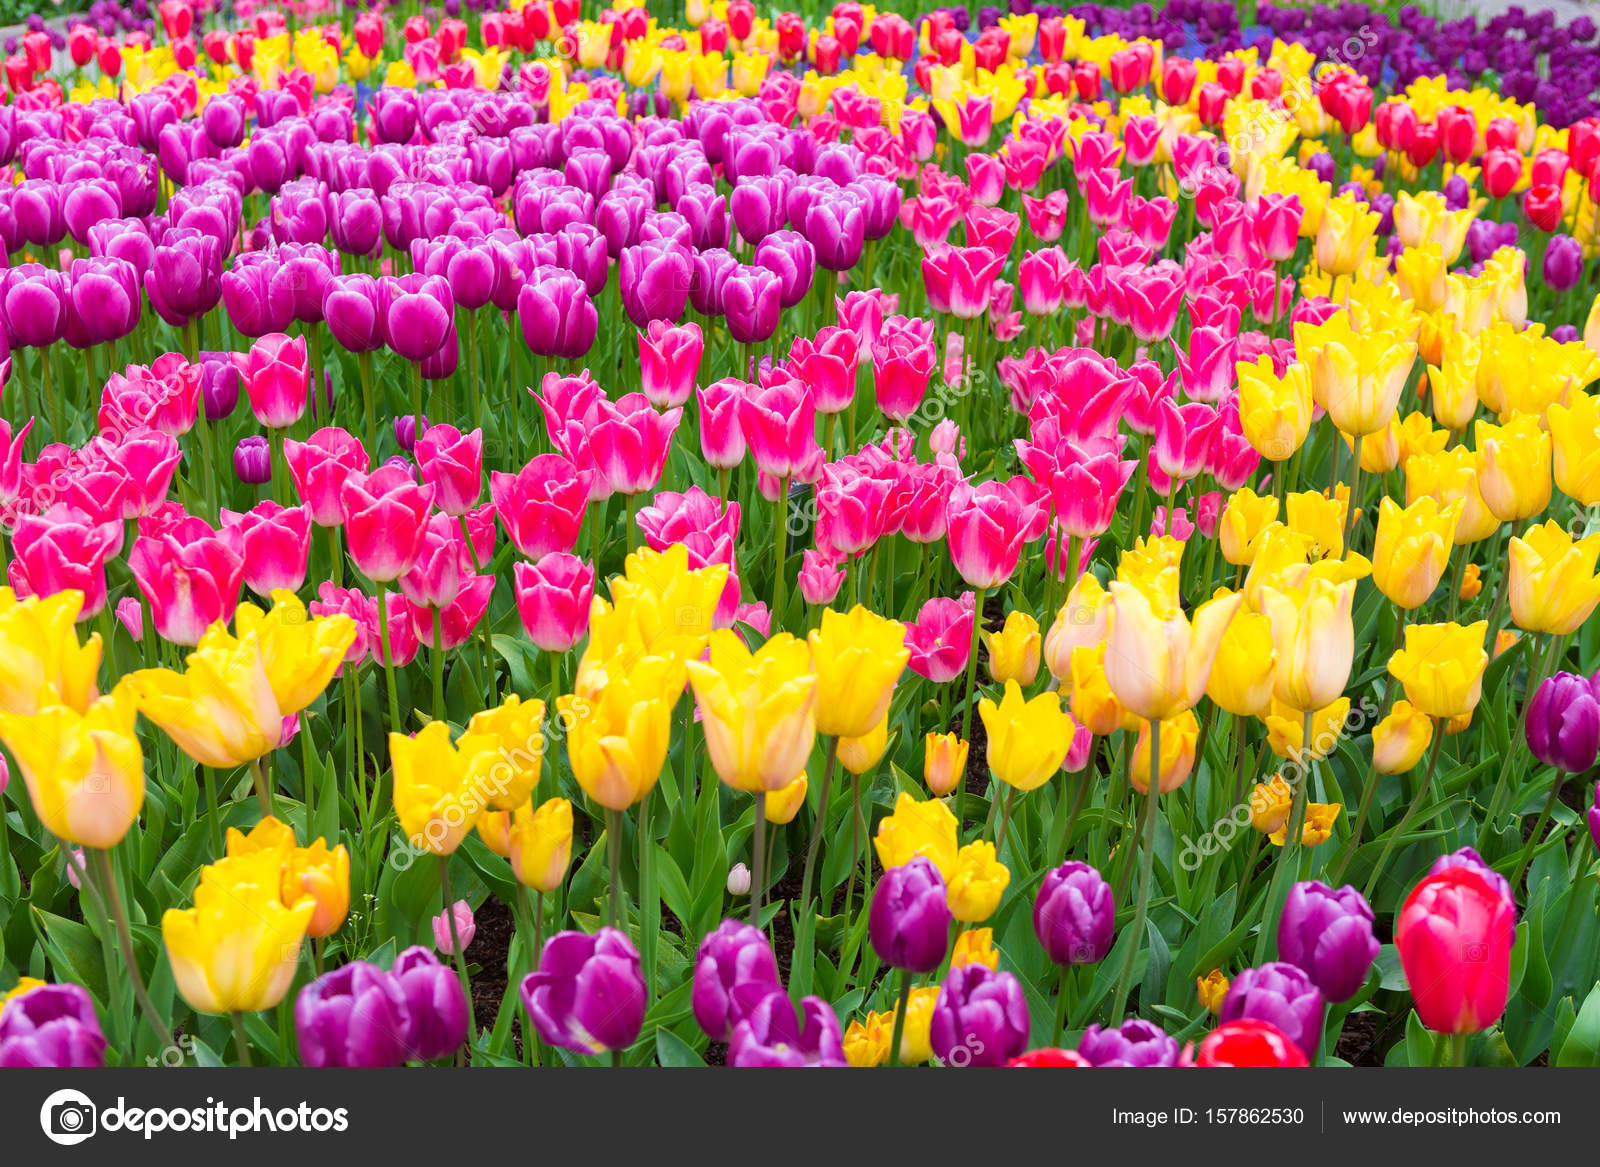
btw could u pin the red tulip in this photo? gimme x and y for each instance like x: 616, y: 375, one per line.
x: 1543, y: 206
x: 1248, y: 1042
x: 1455, y: 933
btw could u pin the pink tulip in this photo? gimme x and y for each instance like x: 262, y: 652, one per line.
x: 275, y: 542
x: 1232, y: 460
x: 131, y: 616
x: 827, y: 366
x: 1087, y: 488
x: 929, y: 219
x: 352, y: 602
x: 986, y: 526
x: 945, y: 438
x: 1455, y: 933
x: 962, y: 278
x: 190, y: 575
x: 721, y: 438
x: 553, y: 597
x: 779, y: 423
x: 385, y: 515
x: 630, y: 442
x: 542, y: 505
x: 1277, y: 225
x: 1078, y: 752
x: 165, y: 396
x: 850, y: 508
x: 863, y: 312
x: 991, y: 227
x: 452, y: 463
x: 63, y: 549
x: 941, y: 638
x: 1175, y: 524
x: 11, y: 451
x: 147, y: 459
x: 435, y: 575
x: 1105, y: 195
x: 1206, y: 367
x: 696, y: 519
x: 275, y: 373
x: 566, y: 400
x: 403, y: 642
x: 459, y: 618
x: 465, y: 928
x: 319, y: 466
x: 1207, y: 513
x: 669, y: 362
x: 1047, y: 217
x: 820, y: 577
x: 986, y: 178
x: 927, y: 497
x: 1041, y: 278
x: 1182, y: 439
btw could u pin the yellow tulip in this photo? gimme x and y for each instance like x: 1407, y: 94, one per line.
x: 1356, y: 377
x: 1014, y: 650
x: 1242, y: 675
x: 1314, y: 639
x: 1179, y: 736
x: 860, y: 754
x: 437, y: 794
x: 1082, y: 620
x: 620, y: 724
x: 866, y: 1042
x: 1591, y: 327
x: 84, y: 771
x: 661, y: 608
x: 1454, y: 393
x: 221, y: 710
x: 1575, y: 437
x: 916, y: 1040
x: 42, y: 649
x: 1412, y: 549
x: 324, y: 875
x: 917, y: 828
x: 541, y: 843
x: 1028, y: 740
x: 1345, y: 234
x: 508, y: 772
x: 1157, y: 660
x: 857, y: 656
x: 269, y: 834
x: 1318, y: 825
x: 757, y: 710
x: 1399, y: 740
x: 1441, y: 667
x: 1212, y: 990
x: 1093, y: 704
x: 1447, y: 477
x: 1417, y: 436
x: 1421, y: 271
x: 780, y: 806
x: 976, y: 883
x: 1552, y: 577
x: 1270, y: 804
x: 1320, y: 520
x: 1244, y: 516
x: 1286, y: 730
x: 494, y: 828
x: 1514, y: 465
x: 944, y: 762
x: 237, y: 949
x: 1274, y: 412
x: 975, y: 946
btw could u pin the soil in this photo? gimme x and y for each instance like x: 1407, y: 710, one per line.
x: 490, y: 946
x: 1358, y: 1043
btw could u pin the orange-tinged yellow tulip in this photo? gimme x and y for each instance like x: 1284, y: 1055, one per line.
x: 221, y: 710
x: 1094, y: 705
x: 1028, y: 740
x: 1082, y: 620
x: 1514, y: 467
x: 1157, y: 659
x: 41, y: 651
x: 541, y: 843
x: 860, y: 754
x: 976, y: 883
x: 1274, y: 412
x: 1356, y: 376
x: 866, y: 1040
x: 1453, y: 387
x: 1244, y: 516
x: 780, y: 806
x: 1421, y: 272
x: 916, y: 1036
x: 1270, y: 804
x: 494, y: 828
x: 300, y: 653
x: 1014, y: 650
x: 1179, y: 736
x: 269, y: 834
x: 1441, y: 667
x: 1452, y: 476
x: 1212, y: 990
x: 1552, y: 578
x: 1575, y: 438
x: 917, y: 828
x: 1412, y: 549
x: 437, y: 797
x: 858, y: 657
x: 944, y: 762
x: 1418, y: 436
x: 757, y: 709
x: 237, y: 948
x: 1318, y: 825
x: 1314, y: 639
x: 975, y: 946
x: 84, y: 771
x: 324, y: 875
x: 1399, y: 740
x: 1286, y: 730
x: 619, y: 727
x: 1242, y: 675
x: 508, y: 773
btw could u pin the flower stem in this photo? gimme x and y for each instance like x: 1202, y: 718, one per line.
x: 1146, y: 867
x: 459, y: 956
x: 832, y: 753
x: 1411, y: 812
x: 113, y: 901
x: 900, y: 1012
x: 258, y: 779
x: 966, y: 709
x: 758, y: 857
x: 241, y: 1043
x: 614, y: 853
x: 1538, y: 830
x: 388, y: 656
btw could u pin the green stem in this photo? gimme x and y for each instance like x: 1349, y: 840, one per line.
x: 1411, y: 813
x: 459, y: 957
x: 241, y: 1043
x: 1538, y: 830
x: 113, y: 900
x: 388, y: 657
x: 614, y: 854
x: 780, y: 538
x: 966, y: 710
x: 900, y: 1016
x: 758, y: 857
x: 263, y: 788
x: 831, y: 750
x: 1146, y: 868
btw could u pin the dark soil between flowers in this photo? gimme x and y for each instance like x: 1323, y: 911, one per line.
x: 1359, y: 1041
x: 490, y: 947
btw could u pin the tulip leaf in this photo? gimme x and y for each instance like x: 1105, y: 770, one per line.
x: 1566, y: 1017
x: 673, y: 887
x: 1581, y: 1046
x: 672, y: 1050
x: 75, y: 950
x: 1419, y: 1043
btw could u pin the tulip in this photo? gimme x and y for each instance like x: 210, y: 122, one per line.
x: 910, y: 919
x: 1399, y: 740
x: 1179, y: 741
x: 944, y: 762
x: 1328, y: 935
x: 415, y: 314
x: 1356, y: 377
x: 319, y: 467
x: 385, y: 515
x: 435, y: 1002
x: 771, y: 1034
x: 452, y: 463
x: 275, y: 544
x: 981, y: 1018
x: 1441, y: 667
x: 987, y: 526
x: 1242, y: 676
x: 1073, y: 915
x: 976, y: 882
x: 1282, y: 995
x: 1412, y: 549
x: 1157, y: 660
x: 1514, y: 473
x: 722, y: 442
x: 941, y: 639
x: 221, y: 710
x: 542, y: 506
x: 1562, y: 727
x: 756, y: 709
x: 355, y: 1016
x: 1028, y: 739
x: 1454, y: 933
x: 1314, y: 640
x: 669, y: 359
x: 588, y: 994
x: 51, y: 1027
x: 1247, y: 1043
x: 43, y: 657
x: 252, y: 461
x: 1133, y: 1043
x: 1014, y: 650
x: 455, y: 921
x: 734, y: 967
x: 553, y: 597
x: 558, y: 317
x: 1553, y: 585
x: 439, y: 787
x: 617, y: 735
x: 925, y: 829
x: 857, y: 656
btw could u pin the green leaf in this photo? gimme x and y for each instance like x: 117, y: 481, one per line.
x: 672, y: 1050
x: 1582, y: 1045
x: 76, y: 950
x: 1419, y: 1042
x: 674, y: 889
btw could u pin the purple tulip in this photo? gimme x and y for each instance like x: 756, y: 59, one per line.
x: 980, y: 1018
x: 757, y: 206
x: 654, y: 278
x: 1280, y: 994
x: 355, y: 221
x: 416, y: 313
x: 790, y: 256
x: 1328, y: 935
x: 350, y: 306
x: 304, y: 270
x: 1563, y: 722
x: 589, y: 169
x: 33, y: 305
x: 405, y: 430
x: 1563, y: 262
x: 438, y: 1009
x: 1073, y: 915
x: 1136, y: 1043
x: 127, y: 239
x: 909, y: 922
x: 353, y: 1017
x: 836, y: 228
x: 771, y: 1034
x: 219, y: 385
x: 469, y: 268
x: 300, y: 212
x: 712, y: 268
x: 1593, y: 816
x: 185, y: 276
x: 706, y: 212
x: 37, y: 204
x: 224, y: 119
x: 589, y: 992
x: 394, y: 114
x: 103, y: 301
x: 733, y: 969
x: 1467, y: 857
x: 249, y: 295
x: 619, y: 216
x: 252, y: 460
x: 558, y: 318
x: 52, y: 1027
x: 90, y: 202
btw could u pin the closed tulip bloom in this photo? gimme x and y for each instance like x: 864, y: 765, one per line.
x: 542, y: 505
x: 509, y: 769
x: 1137, y: 1042
x: 1412, y: 549
x: 655, y: 277
x: 756, y: 709
x: 1158, y: 660
x: 1074, y: 916
x: 438, y: 786
x: 1514, y: 463
x: 1441, y: 667
x: 1212, y: 990
x: 1563, y: 722
x: 858, y: 657
x: 976, y: 883
x: 909, y: 921
x: 780, y: 806
x: 354, y: 1016
x: 589, y: 993
x: 416, y: 314
x: 1400, y: 739
x: 465, y: 927
x: 1575, y: 439
x: 1455, y: 933
x: 733, y: 967
x: 385, y: 515
x: 1094, y: 705
x: 43, y: 657
x: 1553, y: 583
x: 1448, y: 476
x: 553, y: 597
x: 944, y: 762
x: 669, y: 360
x: 274, y: 542
x: 1028, y: 739
x: 1014, y: 650
x: 221, y: 710
x: 1242, y: 676
x: 1314, y: 639
x: 84, y: 770
x: 324, y: 875
x: 237, y: 949
x: 981, y: 1018
x: 1270, y: 803
x: 778, y: 421
x: 1344, y: 235
x: 1249, y: 1043
x: 1328, y: 935
x: 1244, y: 516
x: 772, y: 1033
x: 1179, y: 739
x: 1356, y: 377
x: 558, y: 317
x: 619, y: 728
x: 1280, y: 994
x: 319, y: 466
x: 51, y: 1027
x: 722, y: 441
x: 435, y: 1004
x: 986, y: 528
x: 860, y: 754
x: 540, y: 844
x: 917, y: 828
x: 351, y: 308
